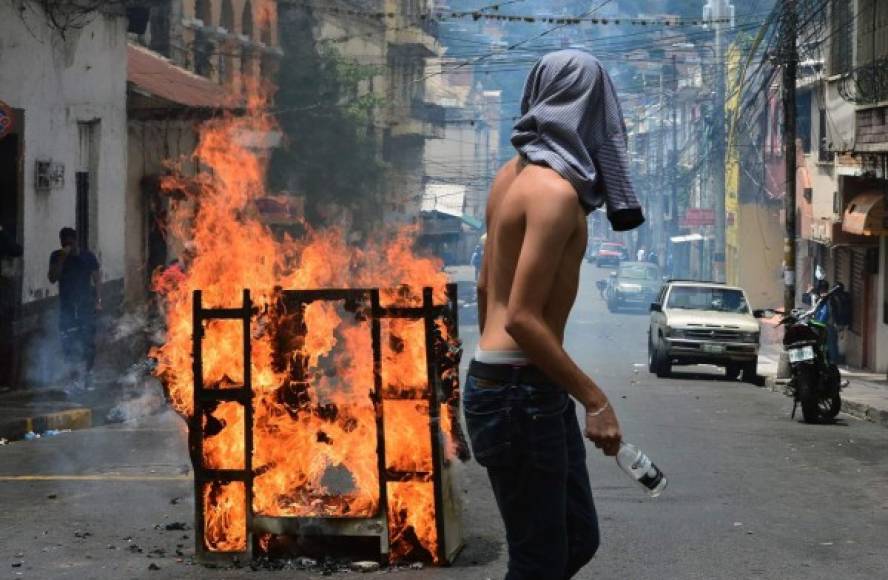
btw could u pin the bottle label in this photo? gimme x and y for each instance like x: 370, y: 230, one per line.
x: 651, y: 477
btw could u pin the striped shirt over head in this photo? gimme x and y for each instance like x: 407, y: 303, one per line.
x: 572, y: 122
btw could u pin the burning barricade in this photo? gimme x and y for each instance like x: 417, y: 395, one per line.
x: 319, y: 380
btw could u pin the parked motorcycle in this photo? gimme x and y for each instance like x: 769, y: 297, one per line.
x: 815, y: 381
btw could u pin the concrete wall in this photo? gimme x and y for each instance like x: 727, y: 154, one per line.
x: 761, y: 254
x: 60, y: 83
x: 151, y: 146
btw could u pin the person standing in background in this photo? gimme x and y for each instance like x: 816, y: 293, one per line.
x: 639, y: 255
x: 79, y: 276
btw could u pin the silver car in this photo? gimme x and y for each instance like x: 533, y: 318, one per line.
x: 703, y: 322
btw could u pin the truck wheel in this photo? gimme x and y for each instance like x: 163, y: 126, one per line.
x: 732, y: 371
x: 750, y: 371
x: 662, y: 364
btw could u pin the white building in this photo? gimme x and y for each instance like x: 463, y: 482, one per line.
x: 64, y: 160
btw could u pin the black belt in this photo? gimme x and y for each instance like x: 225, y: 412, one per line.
x: 509, y: 374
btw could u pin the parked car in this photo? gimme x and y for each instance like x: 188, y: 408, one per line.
x: 633, y: 284
x: 703, y: 322
x: 592, y: 249
x: 610, y: 253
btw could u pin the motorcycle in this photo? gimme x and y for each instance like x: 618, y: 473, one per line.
x: 815, y: 380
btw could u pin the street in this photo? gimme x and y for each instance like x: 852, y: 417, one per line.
x: 752, y: 494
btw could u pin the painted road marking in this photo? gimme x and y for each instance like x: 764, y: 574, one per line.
x: 96, y: 477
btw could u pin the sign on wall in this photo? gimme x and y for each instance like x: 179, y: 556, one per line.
x: 7, y: 120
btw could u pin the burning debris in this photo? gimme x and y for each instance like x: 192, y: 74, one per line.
x: 323, y: 400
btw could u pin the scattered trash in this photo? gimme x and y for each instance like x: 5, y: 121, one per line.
x: 738, y: 524
x: 153, y: 567
x: 30, y: 436
x: 365, y: 566
x: 176, y: 526
x: 52, y: 496
x: 82, y: 535
x: 417, y: 566
x: 4, y: 441
x: 175, y: 500
x: 306, y: 563
x: 17, y: 564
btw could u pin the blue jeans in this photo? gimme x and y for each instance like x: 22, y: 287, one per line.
x: 528, y: 438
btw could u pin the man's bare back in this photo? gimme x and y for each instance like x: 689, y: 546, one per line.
x: 528, y: 282
x: 516, y: 185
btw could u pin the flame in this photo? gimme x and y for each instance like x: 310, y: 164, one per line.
x: 411, y: 513
x: 314, y: 425
x: 225, y: 516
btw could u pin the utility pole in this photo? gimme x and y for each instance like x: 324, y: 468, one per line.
x: 718, y: 11
x: 659, y: 240
x: 672, y: 213
x: 790, y: 62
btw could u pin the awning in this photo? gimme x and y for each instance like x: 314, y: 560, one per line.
x: 472, y: 222
x: 153, y: 76
x: 866, y: 215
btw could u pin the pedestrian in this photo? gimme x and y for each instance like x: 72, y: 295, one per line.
x: 477, y: 255
x: 639, y: 255
x: 520, y: 391
x: 652, y: 257
x: 79, y: 277
x: 825, y: 314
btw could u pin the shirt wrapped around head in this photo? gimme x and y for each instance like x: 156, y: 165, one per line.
x: 571, y: 121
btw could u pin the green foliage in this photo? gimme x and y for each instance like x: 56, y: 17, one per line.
x: 331, y: 153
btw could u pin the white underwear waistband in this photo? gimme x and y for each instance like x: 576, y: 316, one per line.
x: 501, y: 357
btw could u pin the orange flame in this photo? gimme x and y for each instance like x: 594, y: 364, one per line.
x: 314, y: 425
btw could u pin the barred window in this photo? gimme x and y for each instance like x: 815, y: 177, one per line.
x: 840, y: 37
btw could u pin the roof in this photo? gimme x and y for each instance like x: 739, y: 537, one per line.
x: 444, y: 198
x: 156, y: 76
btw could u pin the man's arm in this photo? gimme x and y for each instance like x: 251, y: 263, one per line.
x: 549, y: 225
x: 56, y: 261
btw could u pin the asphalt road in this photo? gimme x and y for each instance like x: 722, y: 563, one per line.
x: 752, y: 494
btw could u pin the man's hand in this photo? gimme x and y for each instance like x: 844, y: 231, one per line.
x: 604, y: 430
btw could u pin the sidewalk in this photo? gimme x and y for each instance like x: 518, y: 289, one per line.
x: 865, y: 397
x: 117, y: 396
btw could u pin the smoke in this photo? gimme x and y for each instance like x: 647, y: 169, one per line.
x: 140, y: 394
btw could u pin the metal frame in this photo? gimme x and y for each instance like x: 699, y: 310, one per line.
x: 373, y: 526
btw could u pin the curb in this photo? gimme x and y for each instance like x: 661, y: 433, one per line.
x: 849, y: 407
x: 80, y: 418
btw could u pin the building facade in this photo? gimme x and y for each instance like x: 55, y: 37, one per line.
x: 63, y: 163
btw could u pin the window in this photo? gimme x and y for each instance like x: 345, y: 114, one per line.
x: 824, y: 155
x: 708, y: 298
x: 226, y: 60
x: 841, y: 35
x: 203, y: 45
x: 246, y: 61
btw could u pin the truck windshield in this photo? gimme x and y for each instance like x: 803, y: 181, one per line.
x: 703, y: 298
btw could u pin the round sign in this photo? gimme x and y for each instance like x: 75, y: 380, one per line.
x: 6, y: 119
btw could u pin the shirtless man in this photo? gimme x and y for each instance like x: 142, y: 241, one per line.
x: 520, y: 416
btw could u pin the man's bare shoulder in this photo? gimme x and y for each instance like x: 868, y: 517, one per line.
x: 544, y: 191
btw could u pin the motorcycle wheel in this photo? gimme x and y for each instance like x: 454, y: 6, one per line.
x: 807, y: 395
x: 830, y: 406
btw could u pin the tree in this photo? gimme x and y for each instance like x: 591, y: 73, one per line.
x: 331, y: 151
